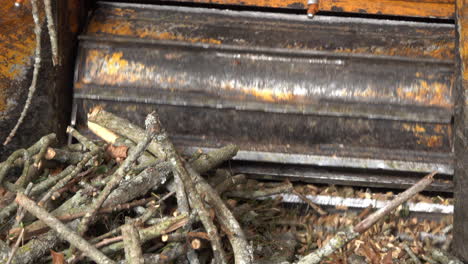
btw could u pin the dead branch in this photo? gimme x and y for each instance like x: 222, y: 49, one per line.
x: 128, y: 190
x: 350, y: 233
x: 400, y: 199
x: 102, y: 132
x: 39, y: 227
x: 149, y: 233
x: 5, y: 166
x: 194, y: 196
x: 37, y: 66
x: 317, y: 208
x: 167, y: 256
x: 131, y: 240
x: 174, y: 237
x: 243, y: 253
x: 63, y: 156
x: 52, y: 32
x: 20, y: 213
x: 64, y: 231
x: 42, y: 151
x: 410, y: 252
x: 229, y: 182
x: 253, y: 194
x: 15, y: 247
x: 214, y: 158
x: 38, y: 189
x: 87, y: 157
x: 152, y: 128
x: 444, y: 257
x: 123, y: 127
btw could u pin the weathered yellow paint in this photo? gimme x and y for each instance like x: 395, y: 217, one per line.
x: 125, y: 28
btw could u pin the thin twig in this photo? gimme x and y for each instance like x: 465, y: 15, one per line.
x: 52, y: 32
x: 410, y: 252
x: 350, y: 233
x: 400, y: 199
x: 229, y: 182
x: 42, y: 152
x: 5, y: 166
x: 64, y: 231
x: 15, y: 247
x: 253, y: 194
x: 317, y: 208
x: 37, y: 66
x: 152, y: 127
x: 87, y: 157
x: 194, y: 196
x: 21, y: 212
x: 243, y: 253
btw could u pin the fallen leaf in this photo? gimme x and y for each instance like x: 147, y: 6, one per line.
x: 57, y: 258
x: 388, y: 258
x: 117, y: 152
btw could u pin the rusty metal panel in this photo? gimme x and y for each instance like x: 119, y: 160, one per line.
x: 49, y: 109
x: 329, y: 87
x: 420, y: 8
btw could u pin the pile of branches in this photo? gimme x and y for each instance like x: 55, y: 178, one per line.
x: 171, y: 211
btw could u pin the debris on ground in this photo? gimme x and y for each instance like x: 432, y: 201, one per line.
x: 125, y: 195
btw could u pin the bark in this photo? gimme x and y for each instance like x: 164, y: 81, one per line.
x: 65, y: 232
x: 343, y: 237
x: 63, y: 156
x: 127, y: 191
x: 229, y: 182
x: 123, y: 127
x: 149, y: 233
x: 400, y: 199
x: 152, y: 128
x: 444, y: 257
x: 243, y: 253
x: 253, y: 194
x: 37, y: 190
x: 214, y: 158
x: 131, y: 240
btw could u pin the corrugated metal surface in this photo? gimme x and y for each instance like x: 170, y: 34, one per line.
x: 331, y: 87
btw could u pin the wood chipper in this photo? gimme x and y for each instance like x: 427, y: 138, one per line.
x: 362, y: 93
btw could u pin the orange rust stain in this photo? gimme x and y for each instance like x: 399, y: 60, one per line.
x: 125, y: 28
x: 463, y: 41
x: 414, y: 128
x: 422, y: 92
x: 114, y: 69
x: 439, y: 129
x: 430, y: 141
x: 441, y: 50
x: 297, y: 4
x: 442, y: 9
x: 3, y: 100
x: 17, y: 43
x: 427, y: 8
x: 424, y: 138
